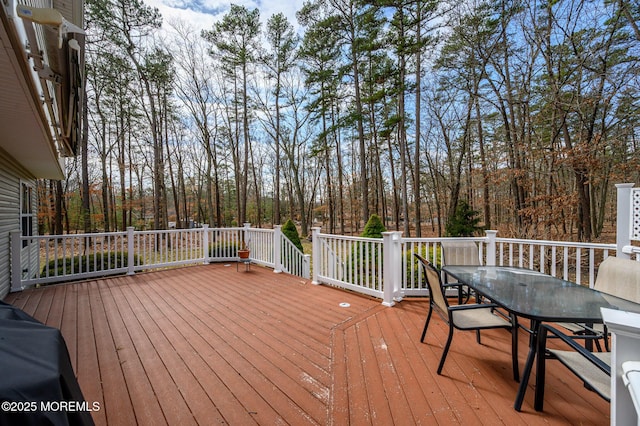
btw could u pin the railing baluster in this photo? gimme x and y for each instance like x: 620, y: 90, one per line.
x: 578, y: 263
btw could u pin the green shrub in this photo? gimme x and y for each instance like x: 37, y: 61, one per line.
x: 87, y: 263
x: 374, y: 227
x: 291, y: 232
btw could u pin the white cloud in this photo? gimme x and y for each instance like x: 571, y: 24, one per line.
x: 203, y: 13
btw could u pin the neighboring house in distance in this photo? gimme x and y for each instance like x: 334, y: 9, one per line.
x: 41, y: 101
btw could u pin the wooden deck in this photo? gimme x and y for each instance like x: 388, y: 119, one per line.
x: 211, y: 345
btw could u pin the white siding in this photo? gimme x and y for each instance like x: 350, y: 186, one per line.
x: 10, y: 176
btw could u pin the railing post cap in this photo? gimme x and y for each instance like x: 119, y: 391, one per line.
x: 395, y: 234
x: 624, y: 185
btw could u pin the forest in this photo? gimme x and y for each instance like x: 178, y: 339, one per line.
x: 527, y: 111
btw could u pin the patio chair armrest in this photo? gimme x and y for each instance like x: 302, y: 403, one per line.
x: 475, y: 306
x: 571, y: 341
x: 592, y: 330
x: 584, y: 327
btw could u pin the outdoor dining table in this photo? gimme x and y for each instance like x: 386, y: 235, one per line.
x: 538, y: 297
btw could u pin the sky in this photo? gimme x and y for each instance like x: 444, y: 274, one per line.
x: 203, y: 13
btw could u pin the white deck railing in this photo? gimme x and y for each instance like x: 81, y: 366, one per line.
x: 292, y: 260
x: 355, y: 263
x: 575, y: 262
x: 50, y: 259
x: 386, y: 268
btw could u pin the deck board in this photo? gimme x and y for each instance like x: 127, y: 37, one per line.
x: 212, y: 345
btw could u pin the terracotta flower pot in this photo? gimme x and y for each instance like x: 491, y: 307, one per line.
x: 243, y: 254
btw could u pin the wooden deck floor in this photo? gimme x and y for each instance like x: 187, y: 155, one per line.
x: 211, y: 345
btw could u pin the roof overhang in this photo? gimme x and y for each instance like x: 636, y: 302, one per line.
x: 41, y: 86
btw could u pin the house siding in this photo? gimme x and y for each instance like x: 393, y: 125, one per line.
x: 11, y: 175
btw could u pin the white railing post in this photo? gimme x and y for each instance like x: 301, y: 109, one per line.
x: 277, y: 249
x: 392, y: 263
x: 625, y: 346
x: 315, y: 254
x: 205, y: 243
x: 16, y: 268
x: 624, y: 218
x: 130, y: 251
x: 491, y: 247
x: 306, y: 267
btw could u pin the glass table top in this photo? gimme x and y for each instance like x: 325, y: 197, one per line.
x: 538, y: 296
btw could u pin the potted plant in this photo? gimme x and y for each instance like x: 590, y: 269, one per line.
x: 243, y: 253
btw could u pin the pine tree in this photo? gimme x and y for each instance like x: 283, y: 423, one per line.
x: 464, y: 223
x: 235, y: 41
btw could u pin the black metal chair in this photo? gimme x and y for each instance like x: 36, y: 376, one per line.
x: 464, y: 317
x: 593, y: 368
x: 616, y: 276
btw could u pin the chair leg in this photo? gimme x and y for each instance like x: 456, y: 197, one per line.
x: 426, y: 324
x: 467, y: 296
x: 478, y: 337
x: 514, y: 347
x: 446, y: 350
x: 598, y: 347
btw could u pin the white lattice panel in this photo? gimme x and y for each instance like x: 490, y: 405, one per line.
x: 635, y: 214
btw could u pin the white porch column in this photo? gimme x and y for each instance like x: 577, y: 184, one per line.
x: 277, y: 249
x: 625, y: 346
x: 205, y: 244
x: 315, y: 254
x: 392, y: 261
x: 491, y: 247
x: 624, y: 217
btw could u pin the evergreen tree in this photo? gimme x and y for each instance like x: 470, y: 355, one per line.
x: 374, y: 227
x: 464, y: 223
x: 278, y: 60
x: 291, y: 232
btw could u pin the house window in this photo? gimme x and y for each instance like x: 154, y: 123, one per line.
x: 26, y: 211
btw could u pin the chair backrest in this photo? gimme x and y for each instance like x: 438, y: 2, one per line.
x: 432, y: 275
x: 619, y: 277
x: 460, y: 252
